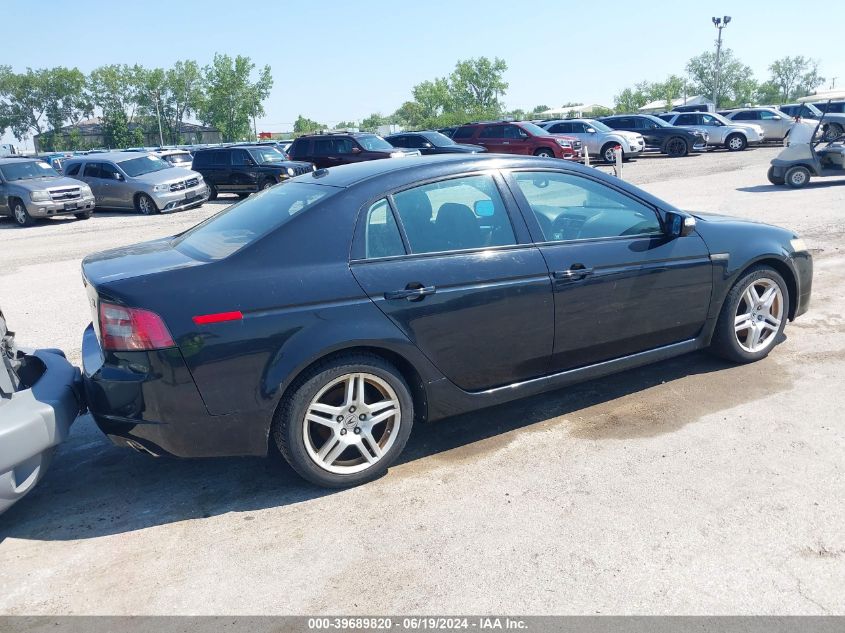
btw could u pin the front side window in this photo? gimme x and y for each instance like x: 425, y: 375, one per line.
x: 569, y: 207
x: 323, y: 147
x: 456, y: 214
x: 92, y: 170
x: 382, y: 237
x: 243, y: 223
x: 345, y: 145
x: 73, y: 169
x: 240, y: 158
x: 765, y: 115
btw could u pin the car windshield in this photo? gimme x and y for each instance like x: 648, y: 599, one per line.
x: 601, y: 127
x: 814, y: 112
x: 143, y: 165
x: 437, y: 139
x: 28, y: 170
x: 264, y: 155
x: 534, y: 130
x: 374, y: 143
x: 245, y: 222
x: 659, y: 122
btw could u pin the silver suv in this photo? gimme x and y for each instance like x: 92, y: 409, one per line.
x: 144, y: 182
x: 597, y: 138
x: 30, y: 189
x: 732, y: 135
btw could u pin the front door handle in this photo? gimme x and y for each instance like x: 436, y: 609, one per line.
x: 413, y: 292
x: 575, y: 273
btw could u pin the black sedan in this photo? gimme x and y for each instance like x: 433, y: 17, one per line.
x: 659, y: 135
x: 431, y: 142
x: 328, y: 314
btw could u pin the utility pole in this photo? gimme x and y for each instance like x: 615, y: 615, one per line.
x: 157, y: 96
x: 719, y: 23
x: 833, y: 83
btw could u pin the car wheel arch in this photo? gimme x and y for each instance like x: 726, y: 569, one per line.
x: 407, y: 369
x: 782, y: 267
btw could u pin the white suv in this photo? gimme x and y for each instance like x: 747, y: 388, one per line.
x: 597, y: 138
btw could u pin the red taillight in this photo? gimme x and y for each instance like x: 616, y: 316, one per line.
x: 132, y: 329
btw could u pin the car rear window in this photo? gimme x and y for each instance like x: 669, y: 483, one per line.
x: 245, y: 222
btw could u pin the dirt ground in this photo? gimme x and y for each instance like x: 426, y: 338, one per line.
x: 688, y: 487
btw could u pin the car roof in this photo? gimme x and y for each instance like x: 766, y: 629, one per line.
x: 115, y: 157
x: 8, y: 160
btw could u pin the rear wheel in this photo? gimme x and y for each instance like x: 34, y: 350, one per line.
x: 833, y: 131
x: 736, y: 143
x: 145, y: 205
x: 676, y: 147
x: 753, y: 316
x: 797, y: 177
x: 212, y: 193
x: 346, y: 421
x: 20, y: 213
x: 775, y: 180
x: 544, y: 152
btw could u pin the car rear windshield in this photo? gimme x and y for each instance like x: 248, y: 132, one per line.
x: 374, y: 143
x: 143, y: 165
x: 245, y: 222
x: 28, y: 170
x: 264, y: 155
x: 180, y: 158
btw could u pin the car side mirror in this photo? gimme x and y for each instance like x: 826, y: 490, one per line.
x: 356, y: 150
x: 591, y: 130
x: 678, y: 225
x: 775, y: 118
x: 117, y: 176
x: 428, y: 145
x: 484, y: 208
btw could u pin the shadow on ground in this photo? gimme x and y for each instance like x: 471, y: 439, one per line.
x: 95, y: 489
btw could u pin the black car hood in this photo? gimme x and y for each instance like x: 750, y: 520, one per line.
x: 718, y: 217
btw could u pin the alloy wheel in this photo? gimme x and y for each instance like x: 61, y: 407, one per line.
x: 144, y: 203
x: 735, y: 143
x: 676, y: 147
x: 759, y: 315
x: 20, y: 214
x: 351, y: 423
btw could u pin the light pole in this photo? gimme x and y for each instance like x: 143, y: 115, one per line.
x: 719, y: 23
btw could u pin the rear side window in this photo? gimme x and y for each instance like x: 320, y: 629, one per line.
x: 560, y: 128
x: 746, y: 115
x: 201, y: 159
x: 298, y: 148
x: 463, y: 132
x: 73, y: 169
x: 686, y: 119
x: 456, y: 214
x: 382, y: 236
x: 245, y: 222
x: 492, y: 131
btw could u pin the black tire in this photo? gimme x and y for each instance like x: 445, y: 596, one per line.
x: 266, y: 184
x: 797, y: 177
x: 212, y: 193
x: 736, y: 142
x: 145, y: 205
x: 607, y: 152
x: 676, y: 147
x: 19, y: 213
x: 833, y: 131
x: 724, y: 342
x: 775, y: 180
x: 85, y: 215
x: 243, y: 196
x: 544, y: 152
x: 288, y: 423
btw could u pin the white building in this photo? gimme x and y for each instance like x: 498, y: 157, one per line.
x: 660, y: 104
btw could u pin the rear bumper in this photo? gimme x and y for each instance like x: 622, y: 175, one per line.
x: 149, y: 401
x: 34, y: 422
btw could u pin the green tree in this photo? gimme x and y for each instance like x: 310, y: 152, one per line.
x: 476, y: 84
x: 630, y: 100
x: 303, y: 125
x: 183, y: 94
x: 118, y: 90
x: 733, y: 81
x: 374, y: 121
x: 232, y: 100
x: 794, y: 77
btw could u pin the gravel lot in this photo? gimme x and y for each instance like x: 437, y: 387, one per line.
x: 687, y: 487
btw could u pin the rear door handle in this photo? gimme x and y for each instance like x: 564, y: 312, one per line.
x: 573, y: 274
x: 415, y: 293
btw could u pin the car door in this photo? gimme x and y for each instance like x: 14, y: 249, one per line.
x: 418, y: 142
x: 120, y: 193
x: 244, y: 171
x: 324, y: 153
x: 447, y: 265
x: 778, y: 124
x: 493, y: 138
x: 4, y: 197
x: 621, y: 284
x: 652, y: 133
x: 93, y: 176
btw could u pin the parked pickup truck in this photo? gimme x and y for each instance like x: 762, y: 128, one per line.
x: 40, y: 396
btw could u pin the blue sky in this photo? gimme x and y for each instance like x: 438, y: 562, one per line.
x: 336, y: 60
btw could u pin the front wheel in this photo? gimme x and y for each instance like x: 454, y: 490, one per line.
x: 736, y: 143
x: 775, y: 180
x: 753, y: 316
x: 85, y: 215
x: 21, y: 215
x: 145, y: 205
x: 212, y: 193
x: 833, y: 131
x: 676, y: 147
x: 346, y: 421
x: 544, y: 153
x: 797, y: 177
x: 608, y: 152
x: 266, y: 184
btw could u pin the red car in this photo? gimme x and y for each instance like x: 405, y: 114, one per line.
x: 519, y: 137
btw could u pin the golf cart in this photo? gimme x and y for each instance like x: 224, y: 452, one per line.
x: 798, y: 162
